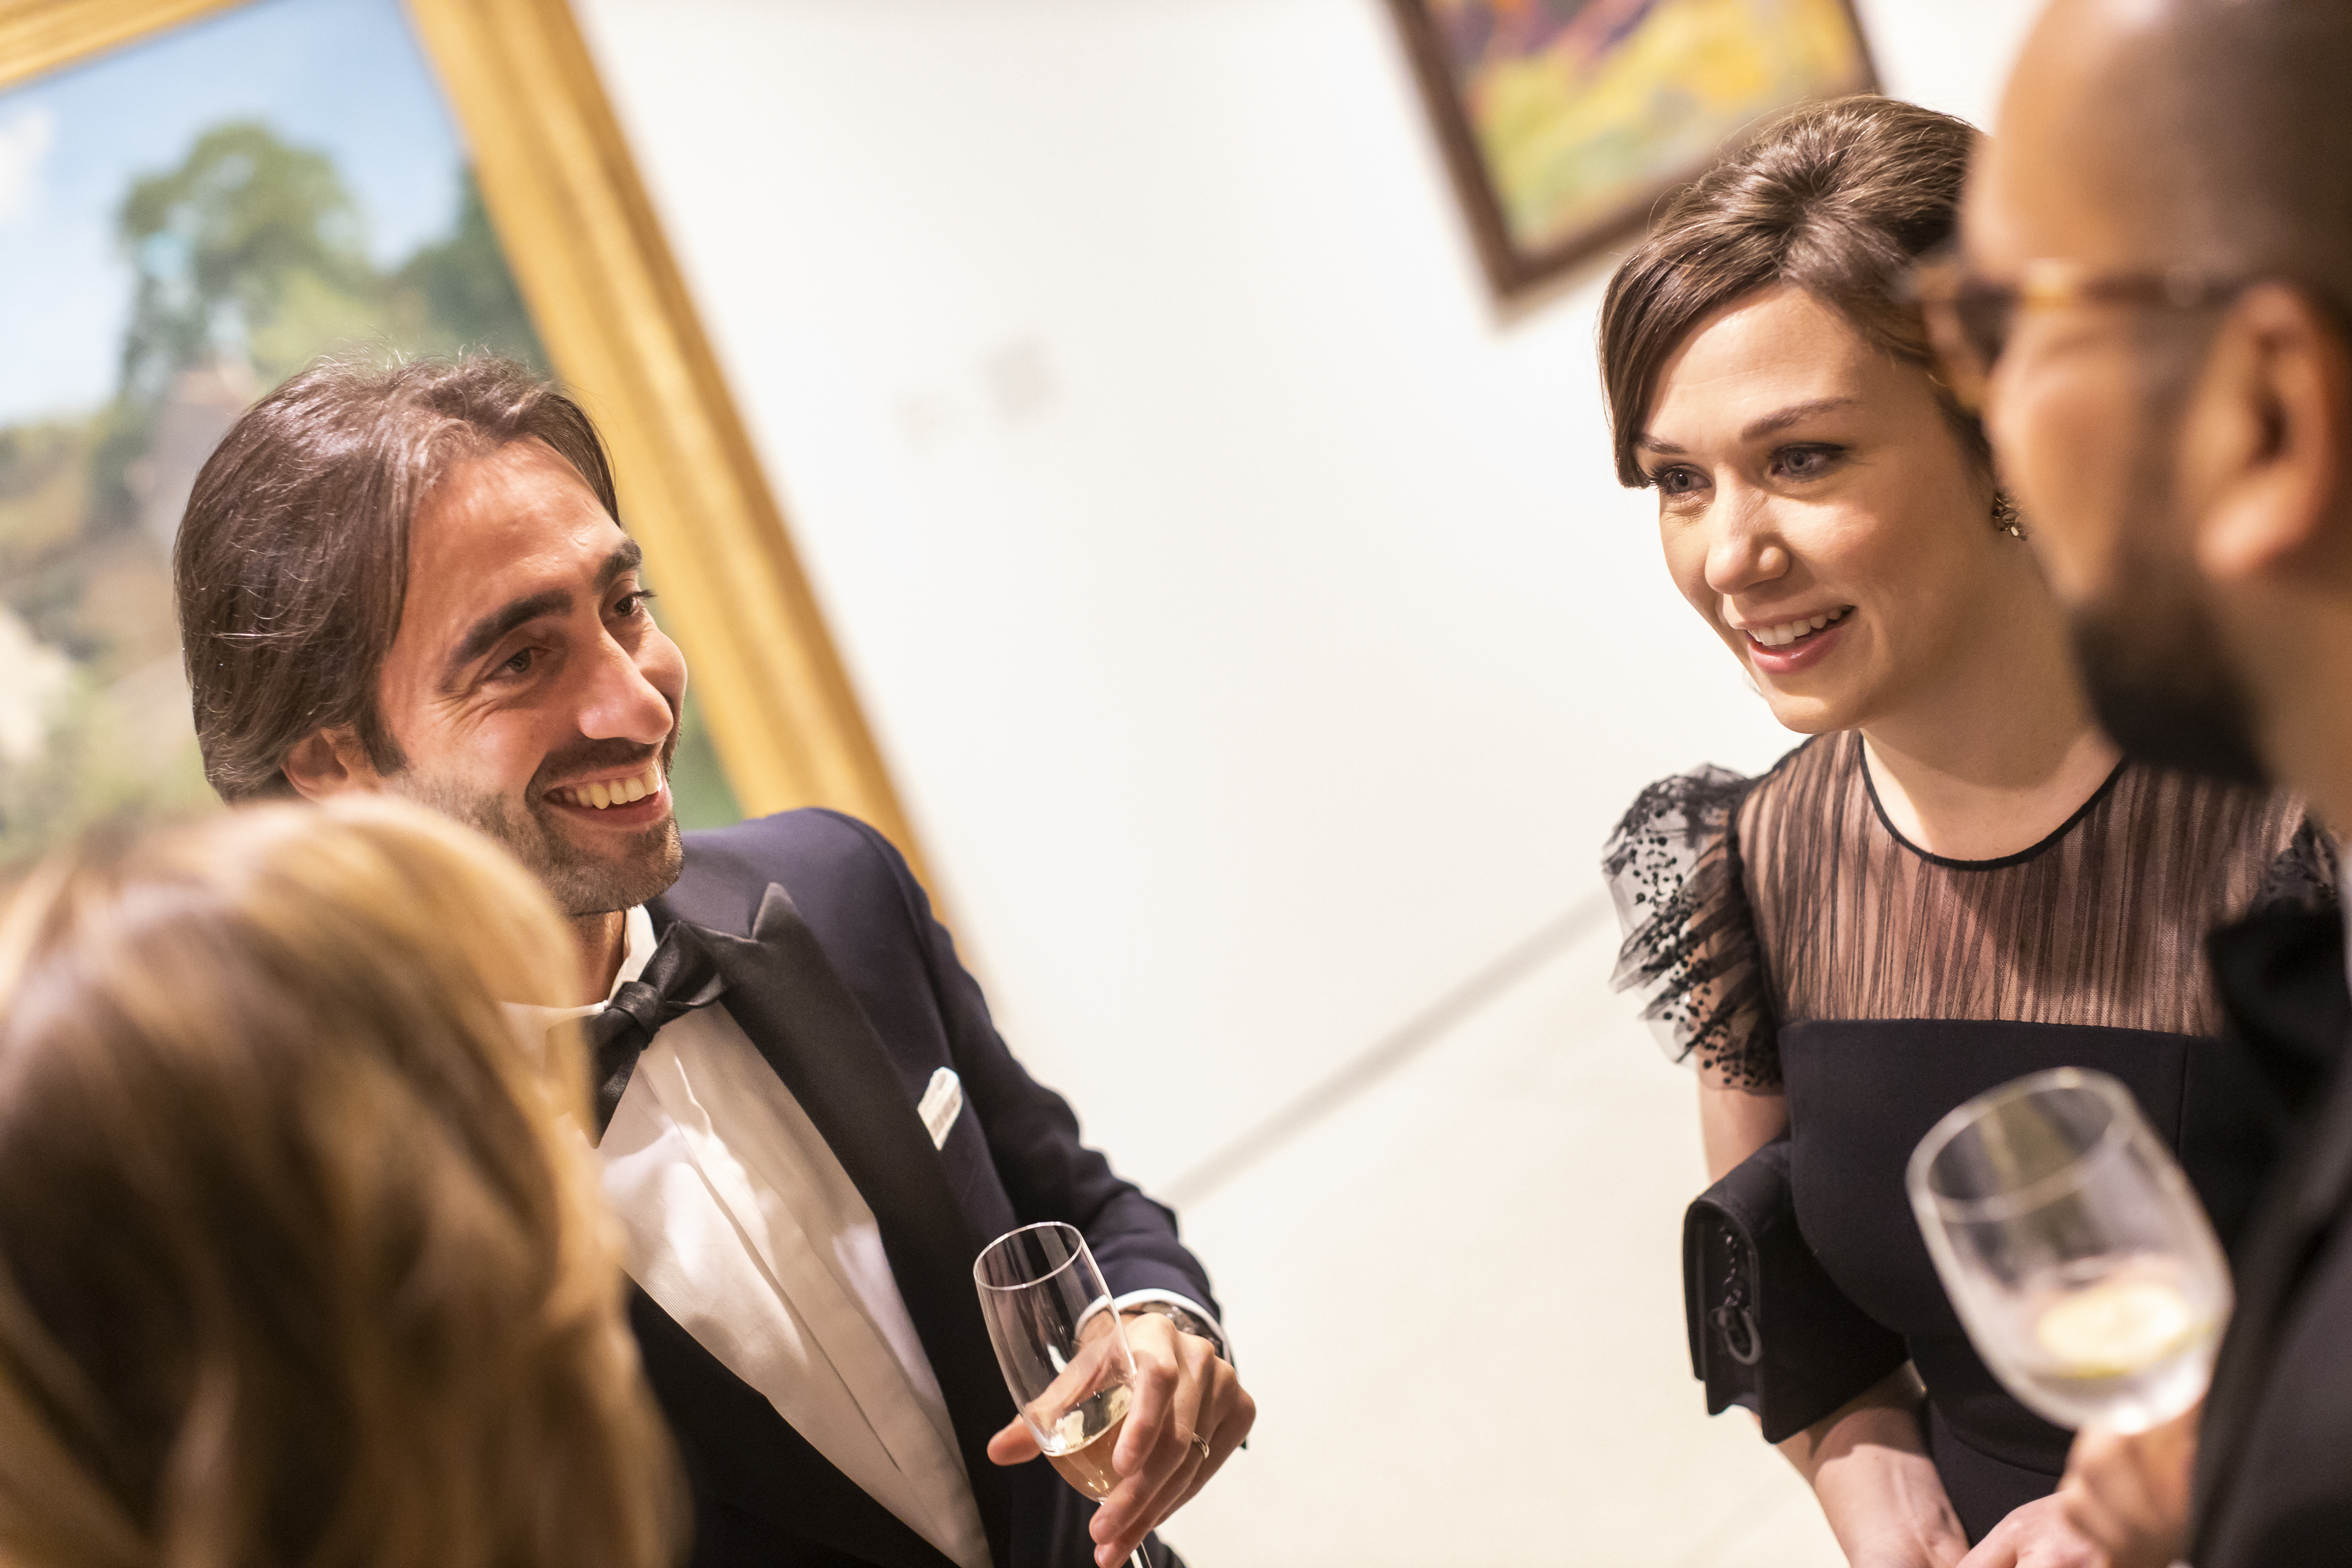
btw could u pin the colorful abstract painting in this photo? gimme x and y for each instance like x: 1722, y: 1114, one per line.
x: 1565, y: 119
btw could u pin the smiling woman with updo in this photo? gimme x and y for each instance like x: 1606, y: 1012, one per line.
x: 1955, y: 880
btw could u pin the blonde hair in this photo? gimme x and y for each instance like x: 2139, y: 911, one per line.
x: 299, y: 1263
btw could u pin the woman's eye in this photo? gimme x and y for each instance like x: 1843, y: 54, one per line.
x: 1676, y: 481
x: 1806, y: 462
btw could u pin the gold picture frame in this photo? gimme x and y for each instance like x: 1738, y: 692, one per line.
x: 611, y: 308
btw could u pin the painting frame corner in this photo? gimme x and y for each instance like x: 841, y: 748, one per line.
x: 1518, y: 275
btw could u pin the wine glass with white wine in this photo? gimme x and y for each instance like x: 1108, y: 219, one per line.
x: 1063, y: 1348
x: 2074, y: 1251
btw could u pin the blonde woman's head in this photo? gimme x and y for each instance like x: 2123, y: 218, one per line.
x: 299, y: 1263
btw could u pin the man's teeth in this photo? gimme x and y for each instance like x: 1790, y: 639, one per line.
x: 1789, y: 631
x: 616, y: 791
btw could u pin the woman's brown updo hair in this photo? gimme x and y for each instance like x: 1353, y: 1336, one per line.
x: 299, y: 1266
x: 1838, y: 198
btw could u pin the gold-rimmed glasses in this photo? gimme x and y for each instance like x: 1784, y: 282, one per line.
x: 1970, y: 317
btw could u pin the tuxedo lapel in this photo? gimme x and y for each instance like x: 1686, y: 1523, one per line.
x: 2280, y: 975
x: 787, y: 998
x: 754, y: 1460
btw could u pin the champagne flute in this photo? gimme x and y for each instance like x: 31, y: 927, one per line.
x: 2077, y: 1256
x: 1063, y: 1350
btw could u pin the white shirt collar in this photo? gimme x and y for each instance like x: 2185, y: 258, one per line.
x: 532, y: 1023
x: 637, y: 948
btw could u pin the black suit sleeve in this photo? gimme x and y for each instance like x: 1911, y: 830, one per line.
x: 1048, y: 1170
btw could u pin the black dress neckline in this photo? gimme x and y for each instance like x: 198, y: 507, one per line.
x: 2047, y: 842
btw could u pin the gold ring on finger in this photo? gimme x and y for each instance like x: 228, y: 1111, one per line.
x: 1200, y: 1443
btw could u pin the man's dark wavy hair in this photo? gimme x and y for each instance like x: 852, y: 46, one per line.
x: 292, y: 559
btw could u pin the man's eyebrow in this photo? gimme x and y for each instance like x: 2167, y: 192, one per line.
x: 619, y: 564
x: 484, y: 634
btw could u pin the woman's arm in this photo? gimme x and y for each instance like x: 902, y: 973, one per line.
x: 1733, y: 1124
x: 1866, y: 1461
x: 1868, y: 1466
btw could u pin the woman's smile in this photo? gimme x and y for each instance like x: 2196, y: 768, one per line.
x: 1780, y: 632
x: 1787, y: 647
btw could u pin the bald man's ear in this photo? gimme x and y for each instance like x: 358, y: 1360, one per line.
x: 2267, y: 447
x: 329, y: 763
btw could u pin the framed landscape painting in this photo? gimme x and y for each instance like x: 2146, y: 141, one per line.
x: 197, y: 199
x: 1564, y: 121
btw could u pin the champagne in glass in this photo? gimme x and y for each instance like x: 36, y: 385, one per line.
x: 1063, y: 1348
x: 2073, y: 1249
x: 1085, y: 1465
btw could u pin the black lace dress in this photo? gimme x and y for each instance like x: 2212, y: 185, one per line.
x: 1787, y: 939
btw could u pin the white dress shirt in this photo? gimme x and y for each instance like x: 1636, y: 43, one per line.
x: 741, y: 1223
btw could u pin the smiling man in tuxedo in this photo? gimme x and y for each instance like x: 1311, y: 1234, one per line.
x: 415, y: 580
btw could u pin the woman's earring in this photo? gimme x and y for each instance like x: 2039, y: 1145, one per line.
x: 2005, y: 517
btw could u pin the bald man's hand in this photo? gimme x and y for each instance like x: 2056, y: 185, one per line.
x: 2035, y: 1536
x: 2130, y: 1494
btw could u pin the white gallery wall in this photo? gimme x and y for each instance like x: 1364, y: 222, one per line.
x: 1246, y: 608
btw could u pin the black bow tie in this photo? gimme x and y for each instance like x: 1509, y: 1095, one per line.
x: 679, y: 977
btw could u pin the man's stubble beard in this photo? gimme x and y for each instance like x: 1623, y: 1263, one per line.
x: 580, y: 884
x: 2151, y: 653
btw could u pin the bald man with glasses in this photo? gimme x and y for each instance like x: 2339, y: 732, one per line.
x: 2149, y: 309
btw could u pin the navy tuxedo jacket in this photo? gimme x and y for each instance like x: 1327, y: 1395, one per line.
x: 853, y: 995
x: 2274, y: 1480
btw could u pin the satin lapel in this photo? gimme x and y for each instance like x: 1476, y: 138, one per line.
x: 752, y: 1459
x: 783, y: 992
x: 2298, y: 1216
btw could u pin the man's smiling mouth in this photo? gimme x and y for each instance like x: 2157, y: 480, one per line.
x: 605, y: 794
x: 1787, y: 631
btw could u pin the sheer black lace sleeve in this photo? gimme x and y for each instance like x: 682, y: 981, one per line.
x: 1691, y: 949
x: 2304, y: 875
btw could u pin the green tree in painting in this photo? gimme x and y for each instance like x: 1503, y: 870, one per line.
x: 251, y: 251
x: 250, y: 247
x: 459, y: 294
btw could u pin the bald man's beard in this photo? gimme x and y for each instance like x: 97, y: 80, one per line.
x: 2152, y: 657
